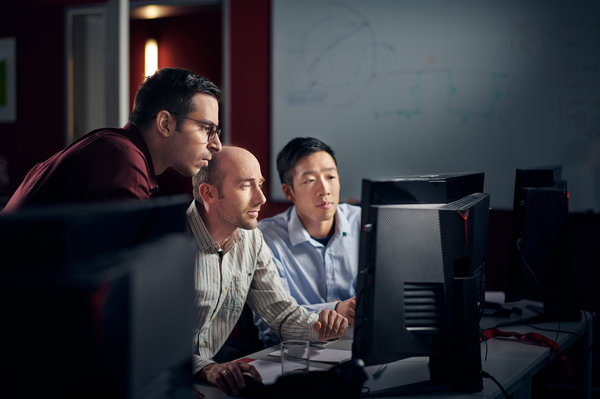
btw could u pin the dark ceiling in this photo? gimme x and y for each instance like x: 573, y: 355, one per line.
x: 146, y: 12
x: 58, y: 3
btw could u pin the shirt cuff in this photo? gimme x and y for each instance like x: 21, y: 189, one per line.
x: 313, y: 336
x: 198, y: 363
x: 318, y: 307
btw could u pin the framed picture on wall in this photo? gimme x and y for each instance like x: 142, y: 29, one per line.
x: 8, y: 80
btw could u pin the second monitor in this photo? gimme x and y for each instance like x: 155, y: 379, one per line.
x: 419, y: 286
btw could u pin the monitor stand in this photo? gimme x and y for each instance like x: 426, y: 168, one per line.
x: 461, y: 370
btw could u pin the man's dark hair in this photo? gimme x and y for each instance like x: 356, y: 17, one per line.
x: 211, y: 174
x: 169, y: 89
x: 294, y: 151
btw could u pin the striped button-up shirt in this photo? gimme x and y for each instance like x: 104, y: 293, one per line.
x: 226, y: 278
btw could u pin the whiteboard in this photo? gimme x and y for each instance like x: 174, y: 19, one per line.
x: 434, y: 86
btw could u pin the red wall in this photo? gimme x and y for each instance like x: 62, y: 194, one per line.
x: 192, y: 42
x: 40, y: 127
x: 250, y: 85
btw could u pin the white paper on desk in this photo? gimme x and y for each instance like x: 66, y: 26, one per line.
x: 324, y: 355
x: 269, y: 371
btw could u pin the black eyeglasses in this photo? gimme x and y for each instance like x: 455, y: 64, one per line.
x: 210, y: 129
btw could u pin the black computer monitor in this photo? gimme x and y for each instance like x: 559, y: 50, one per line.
x: 98, y: 300
x: 538, y: 265
x: 120, y: 327
x: 436, y: 188
x: 54, y: 237
x: 419, y: 288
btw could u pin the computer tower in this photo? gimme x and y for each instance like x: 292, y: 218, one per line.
x: 409, y: 257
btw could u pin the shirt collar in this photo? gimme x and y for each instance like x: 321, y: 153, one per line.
x: 203, y: 238
x: 298, y: 233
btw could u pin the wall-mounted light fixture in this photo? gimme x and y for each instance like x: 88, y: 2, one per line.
x: 151, y: 57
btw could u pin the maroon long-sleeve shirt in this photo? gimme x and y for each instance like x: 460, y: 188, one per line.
x: 104, y: 165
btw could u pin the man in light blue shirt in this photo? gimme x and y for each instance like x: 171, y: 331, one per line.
x: 315, y: 242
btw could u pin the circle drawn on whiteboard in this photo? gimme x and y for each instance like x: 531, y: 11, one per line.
x: 338, y: 54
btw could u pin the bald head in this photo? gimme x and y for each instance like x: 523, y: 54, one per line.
x: 229, y: 160
x: 230, y: 191
x: 231, y: 152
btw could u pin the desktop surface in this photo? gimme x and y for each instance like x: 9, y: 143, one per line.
x: 511, y: 362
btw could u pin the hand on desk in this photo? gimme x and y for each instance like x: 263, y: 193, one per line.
x: 331, y: 324
x: 346, y: 308
x: 228, y: 376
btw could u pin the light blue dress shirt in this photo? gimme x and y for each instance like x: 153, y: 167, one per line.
x: 314, y: 274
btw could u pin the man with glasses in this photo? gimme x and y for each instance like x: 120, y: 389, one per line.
x: 174, y: 123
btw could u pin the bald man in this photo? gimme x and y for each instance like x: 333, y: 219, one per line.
x: 234, y: 266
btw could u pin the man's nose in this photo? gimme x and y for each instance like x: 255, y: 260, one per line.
x: 215, y: 145
x: 324, y: 188
x: 260, y: 197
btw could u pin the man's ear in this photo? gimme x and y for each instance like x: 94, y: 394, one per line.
x: 288, y: 191
x: 208, y: 193
x: 165, y: 123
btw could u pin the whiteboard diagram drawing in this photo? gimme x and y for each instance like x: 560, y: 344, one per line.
x: 338, y: 54
x: 466, y: 94
x: 404, y: 87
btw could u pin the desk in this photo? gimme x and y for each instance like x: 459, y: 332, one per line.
x: 511, y: 362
